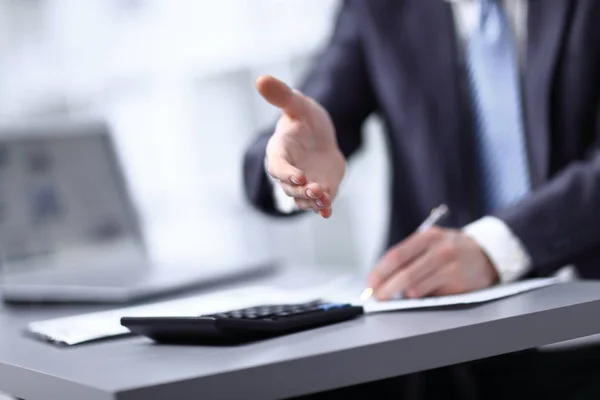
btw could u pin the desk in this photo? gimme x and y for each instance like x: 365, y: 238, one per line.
x: 312, y: 361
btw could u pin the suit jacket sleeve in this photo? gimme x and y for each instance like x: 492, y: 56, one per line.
x: 560, y: 222
x: 339, y: 82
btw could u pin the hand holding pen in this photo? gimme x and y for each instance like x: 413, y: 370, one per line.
x: 436, y: 214
x: 433, y: 261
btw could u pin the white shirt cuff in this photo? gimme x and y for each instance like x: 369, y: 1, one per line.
x: 283, y: 203
x: 503, y: 248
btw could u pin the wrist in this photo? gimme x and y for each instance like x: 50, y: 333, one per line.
x: 503, y: 249
x: 492, y: 271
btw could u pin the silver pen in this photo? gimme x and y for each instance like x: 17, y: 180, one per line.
x: 436, y: 214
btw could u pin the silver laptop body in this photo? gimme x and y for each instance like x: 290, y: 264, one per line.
x: 69, y: 231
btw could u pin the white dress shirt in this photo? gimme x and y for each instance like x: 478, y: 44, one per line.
x: 495, y: 238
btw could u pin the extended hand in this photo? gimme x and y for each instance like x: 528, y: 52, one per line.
x: 303, y: 154
x: 437, y: 262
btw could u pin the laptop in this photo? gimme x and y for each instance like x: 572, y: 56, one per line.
x: 69, y: 230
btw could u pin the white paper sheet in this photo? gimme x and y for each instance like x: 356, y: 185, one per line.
x: 480, y: 296
x: 87, y: 327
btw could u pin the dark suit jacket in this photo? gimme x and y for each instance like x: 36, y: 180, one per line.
x: 401, y: 59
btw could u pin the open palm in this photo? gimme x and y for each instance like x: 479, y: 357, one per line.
x: 303, y: 154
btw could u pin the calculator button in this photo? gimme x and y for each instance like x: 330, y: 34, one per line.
x: 265, y: 314
x: 296, y: 313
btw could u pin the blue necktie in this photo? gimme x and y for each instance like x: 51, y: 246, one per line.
x: 493, y: 69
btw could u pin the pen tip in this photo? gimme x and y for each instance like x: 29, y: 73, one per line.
x: 441, y: 210
x: 368, y: 292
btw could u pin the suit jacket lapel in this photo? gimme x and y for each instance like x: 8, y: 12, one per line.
x: 426, y: 44
x: 546, y: 26
x: 429, y: 25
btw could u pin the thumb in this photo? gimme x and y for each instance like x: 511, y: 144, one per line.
x: 282, y: 96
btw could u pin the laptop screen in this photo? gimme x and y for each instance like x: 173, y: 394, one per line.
x: 61, y: 191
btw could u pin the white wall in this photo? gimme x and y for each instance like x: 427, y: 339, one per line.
x: 176, y: 80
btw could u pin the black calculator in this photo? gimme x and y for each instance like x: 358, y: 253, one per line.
x: 243, y: 325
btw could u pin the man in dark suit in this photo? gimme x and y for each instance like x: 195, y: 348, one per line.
x: 491, y: 107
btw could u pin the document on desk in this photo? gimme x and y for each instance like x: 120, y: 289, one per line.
x: 106, y: 324
x: 88, y: 327
x: 480, y: 296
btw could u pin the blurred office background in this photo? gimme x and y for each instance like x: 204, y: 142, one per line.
x: 175, y: 80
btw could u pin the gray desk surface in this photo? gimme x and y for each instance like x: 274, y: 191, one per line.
x: 370, y: 348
